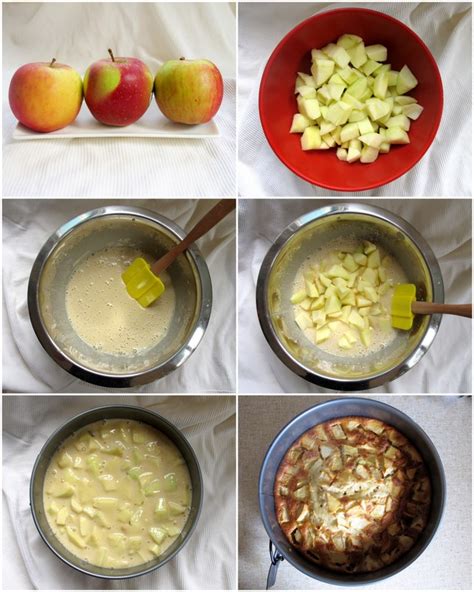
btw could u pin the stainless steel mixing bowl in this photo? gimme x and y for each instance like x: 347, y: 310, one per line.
x: 300, y: 240
x: 96, y: 230
x: 78, y: 422
x: 343, y: 407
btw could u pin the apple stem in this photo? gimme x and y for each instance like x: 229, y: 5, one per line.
x: 52, y: 62
x: 111, y: 54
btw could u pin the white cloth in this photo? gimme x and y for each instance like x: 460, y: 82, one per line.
x: 28, y: 368
x: 445, y: 27
x: 445, y: 225
x: 446, y: 564
x: 209, y: 425
x: 79, y: 34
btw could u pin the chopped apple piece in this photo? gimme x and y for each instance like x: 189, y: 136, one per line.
x: 311, y: 138
x: 360, y: 259
x: 62, y: 516
x: 356, y: 320
x: 303, y: 320
x: 406, y: 81
x: 299, y: 123
x: 376, y: 52
x: 298, y: 297
x: 322, y: 70
x: 323, y: 334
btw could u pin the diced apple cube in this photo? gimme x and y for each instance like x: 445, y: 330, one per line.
x: 306, y: 303
x: 406, y: 81
x: 338, y: 113
x: 377, y: 110
x: 371, y: 293
x: 399, y: 121
x: 332, y: 305
x: 346, y: 311
x: 349, y: 299
x: 338, y: 54
x: 299, y: 123
x: 329, y: 140
x: 356, y: 116
x: 349, y: 263
x: 396, y: 135
x: 357, y: 54
x: 341, y: 154
x: 365, y: 126
x: 357, y: 88
x: 369, y: 67
x: 348, y: 40
x: 311, y: 138
x: 362, y: 301
x: 309, y: 108
x: 368, y: 247
x: 336, y: 79
x: 338, y: 271
x: 360, y: 259
x: 317, y: 303
x: 370, y: 276
x: 356, y: 320
x: 376, y: 52
x: 307, y: 92
x: 325, y: 280
x: 325, y: 127
x: 322, y: 70
x: 364, y: 311
x: 62, y: 516
x: 349, y: 132
x: 373, y: 139
x: 373, y: 259
x: 323, y: 334
x: 318, y: 317
x: 381, y: 85
x: 353, y: 102
x: 307, y: 79
x: 298, y: 297
x: 343, y: 343
x: 303, y: 320
x: 413, y: 111
x: 369, y: 154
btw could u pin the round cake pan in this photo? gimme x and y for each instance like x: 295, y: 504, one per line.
x: 300, y: 240
x: 104, y: 228
x: 78, y: 422
x: 343, y: 407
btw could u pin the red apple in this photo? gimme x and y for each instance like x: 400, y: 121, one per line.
x: 45, y: 97
x: 189, y: 91
x: 118, y: 90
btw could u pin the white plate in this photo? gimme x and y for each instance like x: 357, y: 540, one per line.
x: 151, y: 125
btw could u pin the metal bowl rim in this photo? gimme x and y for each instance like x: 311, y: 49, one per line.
x: 84, y: 414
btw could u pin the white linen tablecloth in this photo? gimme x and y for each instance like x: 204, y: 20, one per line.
x: 446, y: 29
x: 446, y: 564
x: 446, y: 226
x: 79, y: 34
x: 27, y: 224
x: 209, y: 425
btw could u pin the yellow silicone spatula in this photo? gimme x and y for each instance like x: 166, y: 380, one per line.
x: 141, y: 279
x: 405, y: 307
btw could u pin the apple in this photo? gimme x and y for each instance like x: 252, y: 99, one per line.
x: 118, y: 90
x: 189, y: 91
x: 45, y: 96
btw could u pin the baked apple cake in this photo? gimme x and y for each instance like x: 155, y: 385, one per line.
x: 352, y: 494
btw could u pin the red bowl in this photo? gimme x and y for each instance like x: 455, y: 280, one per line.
x: 277, y: 102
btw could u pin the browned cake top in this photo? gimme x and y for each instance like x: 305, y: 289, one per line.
x: 352, y: 494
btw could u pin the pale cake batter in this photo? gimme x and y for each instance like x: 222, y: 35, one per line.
x: 381, y: 331
x: 117, y: 493
x: 103, y: 314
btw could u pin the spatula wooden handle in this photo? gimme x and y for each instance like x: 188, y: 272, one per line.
x: 213, y: 217
x: 461, y: 310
